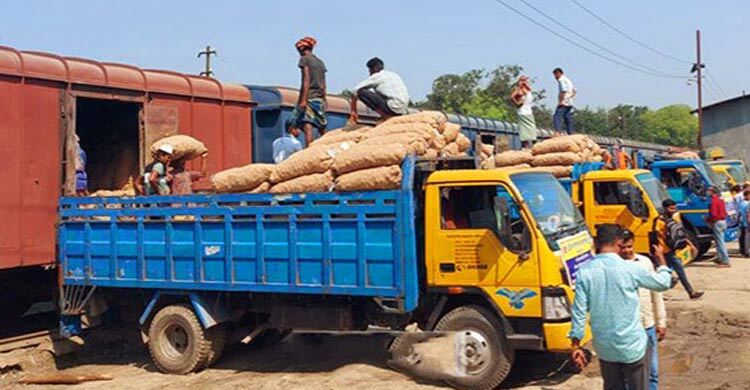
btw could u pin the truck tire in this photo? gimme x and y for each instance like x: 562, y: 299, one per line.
x: 178, y: 344
x: 485, y: 353
x: 217, y: 337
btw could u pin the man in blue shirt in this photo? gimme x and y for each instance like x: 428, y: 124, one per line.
x: 743, y: 204
x: 286, y: 145
x: 607, y: 289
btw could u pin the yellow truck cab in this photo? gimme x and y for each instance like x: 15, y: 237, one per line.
x: 513, y: 237
x: 631, y: 198
x: 732, y: 170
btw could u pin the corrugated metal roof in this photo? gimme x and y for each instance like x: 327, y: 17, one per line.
x: 48, y: 66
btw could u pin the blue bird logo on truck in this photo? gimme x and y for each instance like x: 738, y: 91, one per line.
x: 516, y: 297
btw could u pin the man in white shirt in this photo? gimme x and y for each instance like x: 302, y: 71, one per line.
x: 564, y: 111
x: 286, y: 145
x: 384, y: 92
x: 653, y: 312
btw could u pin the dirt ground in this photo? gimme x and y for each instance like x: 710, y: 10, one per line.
x: 707, y: 347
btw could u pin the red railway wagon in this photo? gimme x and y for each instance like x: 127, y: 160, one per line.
x: 116, y: 111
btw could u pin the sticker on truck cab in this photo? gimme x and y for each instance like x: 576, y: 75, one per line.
x: 574, y: 251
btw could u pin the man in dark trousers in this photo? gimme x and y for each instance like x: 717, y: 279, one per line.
x: 607, y: 291
x: 384, y: 92
x: 717, y: 220
x: 661, y: 225
x: 310, y: 111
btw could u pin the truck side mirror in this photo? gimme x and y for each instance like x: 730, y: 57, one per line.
x: 696, y: 186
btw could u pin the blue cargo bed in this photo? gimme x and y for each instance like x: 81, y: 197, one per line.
x: 358, y: 243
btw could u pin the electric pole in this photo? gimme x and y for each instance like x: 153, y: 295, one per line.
x: 208, y: 53
x: 698, y: 70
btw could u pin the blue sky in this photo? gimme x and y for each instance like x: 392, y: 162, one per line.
x: 419, y: 39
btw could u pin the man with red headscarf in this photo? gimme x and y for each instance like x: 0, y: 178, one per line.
x: 310, y: 111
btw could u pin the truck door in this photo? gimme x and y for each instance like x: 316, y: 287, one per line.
x: 620, y: 202
x: 467, y: 248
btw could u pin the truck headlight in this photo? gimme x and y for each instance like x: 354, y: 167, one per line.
x: 555, y: 304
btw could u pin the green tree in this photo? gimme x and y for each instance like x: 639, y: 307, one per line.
x: 671, y: 125
x: 477, y: 92
x: 592, y: 120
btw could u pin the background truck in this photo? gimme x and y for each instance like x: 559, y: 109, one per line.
x: 733, y: 170
x: 631, y: 198
x: 492, y: 254
x: 687, y: 182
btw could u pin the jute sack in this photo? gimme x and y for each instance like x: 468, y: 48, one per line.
x: 556, y: 145
x: 487, y: 163
x: 451, y: 131
x: 463, y: 142
x: 557, y: 170
x: 366, y: 156
x: 241, y: 179
x: 116, y: 193
x: 435, y: 119
x: 519, y: 166
x: 438, y: 141
x: 426, y: 131
x: 432, y: 154
x: 315, y: 159
x: 184, y: 146
x: 339, y: 135
x: 261, y: 189
x: 513, y: 157
x: 414, y: 143
x: 381, y: 178
x: 564, y: 158
x: 318, y: 182
x: 486, y: 149
x: 450, y: 150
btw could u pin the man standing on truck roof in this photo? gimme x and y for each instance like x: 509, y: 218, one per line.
x: 717, y: 220
x: 607, y: 290
x: 310, y: 111
x: 666, y: 227
x: 564, y: 112
x: 523, y: 99
x: 653, y: 311
x: 286, y: 145
x: 384, y: 92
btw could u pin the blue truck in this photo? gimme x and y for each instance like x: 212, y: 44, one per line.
x: 452, y: 250
x: 687, y: 182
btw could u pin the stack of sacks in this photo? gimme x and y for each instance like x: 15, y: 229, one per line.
x: 555, y: 155
x: 360, y: 159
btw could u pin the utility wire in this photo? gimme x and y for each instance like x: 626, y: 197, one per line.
x: 574, y: 32
x: 624, y: 34
x: 713, y: 80
x: 572, y: 42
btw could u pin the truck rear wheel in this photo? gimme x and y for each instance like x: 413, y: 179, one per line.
x: 178, y: 344
x: 484, y: 354
x: 217, y: 337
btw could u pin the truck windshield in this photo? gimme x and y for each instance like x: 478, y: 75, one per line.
x: 738, y: 175
x: 654, y: 189
x: 720, y: 181
x: 549, y: 203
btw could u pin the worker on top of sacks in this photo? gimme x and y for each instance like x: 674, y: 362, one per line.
x: 311, y: 105
x: 384, y: 92
x: 286, y: 145
x: 623, y: 161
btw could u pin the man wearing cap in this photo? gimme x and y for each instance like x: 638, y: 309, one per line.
x: 155, y: 176
x: 384, y: 92
x: 311, y: 106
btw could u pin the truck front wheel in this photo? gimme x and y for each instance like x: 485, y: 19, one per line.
x: 178, y: 344
x: 484, y: 357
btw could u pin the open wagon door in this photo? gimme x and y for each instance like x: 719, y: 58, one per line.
x: 156, y: 122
